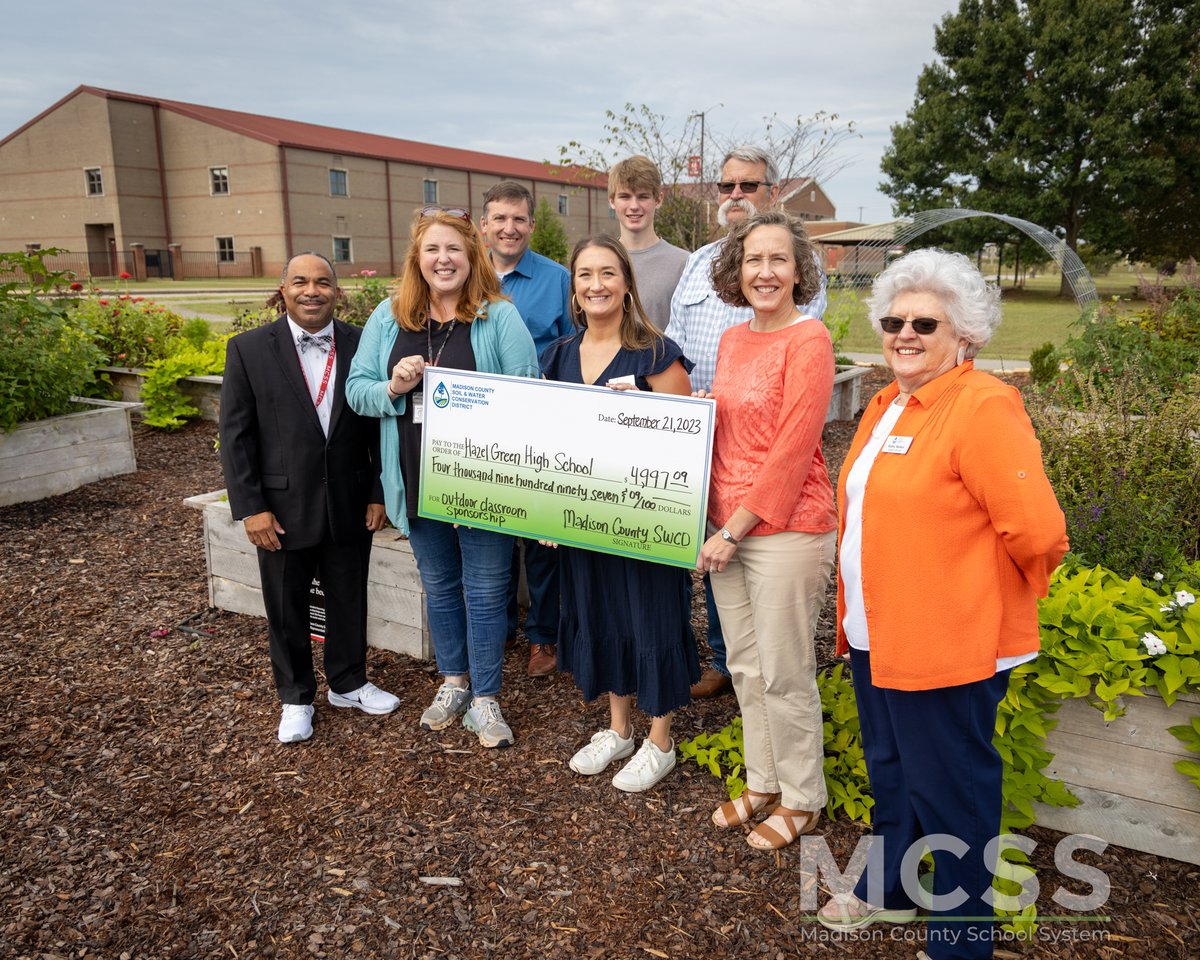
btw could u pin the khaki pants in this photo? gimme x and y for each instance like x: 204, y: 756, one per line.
x: 769, y: 597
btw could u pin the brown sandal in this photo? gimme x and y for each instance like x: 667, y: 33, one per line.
x: 734, y: 813
x: 782, y: 827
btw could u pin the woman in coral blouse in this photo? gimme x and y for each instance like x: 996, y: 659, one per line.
x: 772, y: 520
x: 949, y: 533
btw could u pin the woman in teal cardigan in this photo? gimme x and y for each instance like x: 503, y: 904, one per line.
x: 447, y: 310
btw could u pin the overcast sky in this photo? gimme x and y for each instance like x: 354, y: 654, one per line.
x: 515, y: 77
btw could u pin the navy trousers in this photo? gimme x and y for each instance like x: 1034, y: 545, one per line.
x: 933, y: 770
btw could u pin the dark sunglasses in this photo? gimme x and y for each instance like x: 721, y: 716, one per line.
x: 458, y: 212
x: 924, y: 325
x: 748, y: 186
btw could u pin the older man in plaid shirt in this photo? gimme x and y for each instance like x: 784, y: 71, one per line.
x: 749, y: 184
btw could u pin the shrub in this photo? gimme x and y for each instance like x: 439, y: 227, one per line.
x: 1127, y: 483
x: 45, y: 359
x: 357, y: 302
x: 130, y: 330
x: 1158, y: 346
x: 1043, y: 365
x: 549, y: 238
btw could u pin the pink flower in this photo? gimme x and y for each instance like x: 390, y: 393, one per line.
x: 138, y: 299
x: 120, y: 356
x: 126, y: 276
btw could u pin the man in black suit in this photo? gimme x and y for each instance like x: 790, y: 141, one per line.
x: 302, y: 470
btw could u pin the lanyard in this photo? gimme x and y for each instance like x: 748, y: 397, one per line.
x: 433, y: 361
x: 325, y: 378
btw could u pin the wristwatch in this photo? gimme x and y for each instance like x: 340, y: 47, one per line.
x: 729, y: 537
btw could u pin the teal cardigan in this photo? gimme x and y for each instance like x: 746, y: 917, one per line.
x: 501, y: 344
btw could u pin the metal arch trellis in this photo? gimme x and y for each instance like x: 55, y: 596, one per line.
x: 871, y: 255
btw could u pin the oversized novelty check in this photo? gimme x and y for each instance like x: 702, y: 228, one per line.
x: 620, y: 471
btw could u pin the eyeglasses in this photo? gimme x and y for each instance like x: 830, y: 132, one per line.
x: 458, y: 212
x: 922, y: 325
x: 748, y: 186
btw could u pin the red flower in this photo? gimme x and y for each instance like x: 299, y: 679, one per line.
x: 126, y: 276
x: 104, y: 303
x: 77, y: 286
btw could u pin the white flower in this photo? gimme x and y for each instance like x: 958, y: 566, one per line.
x: 1158, y: 576
x: 1167, y: 609
x: 1154, y: 646
x: 1184, y: 599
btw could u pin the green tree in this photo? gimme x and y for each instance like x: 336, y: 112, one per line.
x: 549, y: 238
x: 1071, y: 113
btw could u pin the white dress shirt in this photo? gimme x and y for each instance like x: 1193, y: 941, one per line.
x: 312, y: 362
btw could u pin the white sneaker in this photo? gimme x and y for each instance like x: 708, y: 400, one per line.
x: 368, y: 698
x: 648, y: 766
x: 485, y: 720
x: 295, y: 723
x: 448, y: 705
x: 604, y: 747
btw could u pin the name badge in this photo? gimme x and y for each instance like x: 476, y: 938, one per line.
x: 895, y: 444
x: 417, y: 399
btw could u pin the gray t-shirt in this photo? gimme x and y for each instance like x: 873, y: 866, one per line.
x: 657, y: 270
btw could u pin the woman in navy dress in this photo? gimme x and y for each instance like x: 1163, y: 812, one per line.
x: 625, y: 625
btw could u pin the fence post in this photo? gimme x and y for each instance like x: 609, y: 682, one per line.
x: 256, y: 267
x: 138, y: 252
x: 175, y: 252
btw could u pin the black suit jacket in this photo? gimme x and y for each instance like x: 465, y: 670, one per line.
x: 273, y: 450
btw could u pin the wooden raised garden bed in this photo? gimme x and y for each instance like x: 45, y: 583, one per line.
x: 395, y: 601
x: 47, y: 457
x: 1124, y: 776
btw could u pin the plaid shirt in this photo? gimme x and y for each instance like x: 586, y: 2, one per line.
x: 699, y: 317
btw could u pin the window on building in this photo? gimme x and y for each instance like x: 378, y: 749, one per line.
x: 95, y: 181
x: 225, y: 252
x: 218, y: 181
x: 341, y: 250
x: 338, y: 183
x: 562, y: 204
x: 430, y: 188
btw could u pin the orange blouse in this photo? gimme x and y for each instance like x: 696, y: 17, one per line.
x: 961, y: 532
x: 772, y: 392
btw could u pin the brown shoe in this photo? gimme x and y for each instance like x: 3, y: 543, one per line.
x: 543, y: 659
x: 711, y: 684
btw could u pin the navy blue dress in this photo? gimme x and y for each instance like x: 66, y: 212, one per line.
x: 625, y: 625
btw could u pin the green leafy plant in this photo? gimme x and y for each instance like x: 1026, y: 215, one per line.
x: 131, y: 330
x: 166, y: 406
x: 46, y: 359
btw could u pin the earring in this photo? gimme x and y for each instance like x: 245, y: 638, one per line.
x: 575, y: 305
x: 962, y: 354
x: 627, y: 302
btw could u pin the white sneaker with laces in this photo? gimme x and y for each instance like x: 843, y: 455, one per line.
x: 648, y: 766
x: 604, y: 747
x: 295, y: 723
x: 485, y: 720
x: 448, y: 705
x: 368, y: 698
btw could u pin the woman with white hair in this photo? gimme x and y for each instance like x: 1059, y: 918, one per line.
x: 948, y: 533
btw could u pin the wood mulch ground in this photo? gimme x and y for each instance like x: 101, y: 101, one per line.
x: 149, y: 812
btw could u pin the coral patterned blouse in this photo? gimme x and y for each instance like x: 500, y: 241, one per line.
x: 772, y: 392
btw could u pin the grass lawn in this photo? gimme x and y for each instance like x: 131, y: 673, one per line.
x: 1030, y: 317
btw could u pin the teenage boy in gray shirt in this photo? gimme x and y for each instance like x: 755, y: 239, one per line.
x: 635, y: 192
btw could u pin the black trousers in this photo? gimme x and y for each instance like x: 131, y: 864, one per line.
x: 286, y: 579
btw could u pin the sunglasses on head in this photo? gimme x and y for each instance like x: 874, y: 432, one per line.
x: 925, y: 325
x: 458, y: 212
x: 748, y: 186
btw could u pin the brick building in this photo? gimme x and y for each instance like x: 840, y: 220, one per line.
x: 136, y: 183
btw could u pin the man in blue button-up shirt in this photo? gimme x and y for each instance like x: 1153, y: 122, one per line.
x: 540, y: 289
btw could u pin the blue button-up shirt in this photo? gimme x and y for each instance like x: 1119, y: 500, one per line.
x: 699, y: 317
x: 540, y: 289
